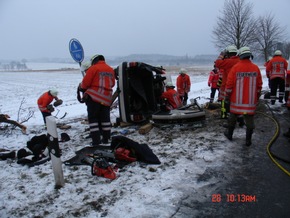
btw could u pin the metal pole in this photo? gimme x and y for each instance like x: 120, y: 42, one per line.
x: 54, y: 152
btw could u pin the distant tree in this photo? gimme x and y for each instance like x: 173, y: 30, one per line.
x: 13, y: 64
x: 236, y: 25
x: 268, y: 35
x: 286, y: 50
x: 24, y: 61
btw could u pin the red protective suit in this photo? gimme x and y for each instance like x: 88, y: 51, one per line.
x: 183, y: 84
x: 172, y: 97
x: 243, y: 86
x: 225, y: 65
x: 44, y: 100
x: 213, y: 79
x: 98, y: 83
x: 277, y: 67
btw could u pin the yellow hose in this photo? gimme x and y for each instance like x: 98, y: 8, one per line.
x: 272, y: 141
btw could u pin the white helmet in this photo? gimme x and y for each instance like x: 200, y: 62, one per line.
x: 182, y: 71
x: 244, y: 52
x: 97, y: 58
x: 232, y: 49
x: 169, y: 84
x: 277, y: 53
x: 85, y: 65
x: 53, y: 92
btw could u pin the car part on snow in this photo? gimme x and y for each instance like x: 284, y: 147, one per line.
x: 140, y: 86
x: 188, y: 114
x: 63, y: 116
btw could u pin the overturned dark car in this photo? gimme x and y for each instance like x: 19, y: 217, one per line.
x: 139, y: 88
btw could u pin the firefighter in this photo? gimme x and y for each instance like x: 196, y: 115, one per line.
x: 212, y: 82
x: 171, y: 98
x: 44, y: 103
x: 226, y: 60
x: 277, y: 68
x: 98, y: 84
x: 267, y: 72
x: 243, y: 89
x: 183, y: 85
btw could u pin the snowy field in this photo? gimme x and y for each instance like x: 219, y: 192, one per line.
x: 139, y: 191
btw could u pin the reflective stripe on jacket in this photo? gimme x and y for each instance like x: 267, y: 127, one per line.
x: 243, y: 86
x: 99, y: 82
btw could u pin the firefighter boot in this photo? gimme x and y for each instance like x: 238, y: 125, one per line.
x: 96, y: 138
x: 229, y: 133
x: 249, y: 134
x: 287, y: 134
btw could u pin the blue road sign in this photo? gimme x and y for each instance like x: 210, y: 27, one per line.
x: 76, y: 50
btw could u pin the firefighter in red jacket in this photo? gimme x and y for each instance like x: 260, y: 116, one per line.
x: 212, y: 82
x: 98, y: 84
x: 226, y: 60
x: 171, y: 98
x: 243, y: 90
x: 277, y: 68
x: 183, y: 85
x: 44, y: 103
x: 268, y: 73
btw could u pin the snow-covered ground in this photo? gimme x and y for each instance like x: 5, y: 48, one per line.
x: 139, y: 191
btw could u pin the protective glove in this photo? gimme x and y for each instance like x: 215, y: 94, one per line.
x: 57, y: 102
x: 50, y: 108
x: 80, y: 89
x: 208, y: 85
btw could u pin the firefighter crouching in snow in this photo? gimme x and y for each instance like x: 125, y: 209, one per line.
x: 170, y: 98
x: 44, y: 103
x: 243, y: 90
x: 98, y: 84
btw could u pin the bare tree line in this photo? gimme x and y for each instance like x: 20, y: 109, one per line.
x: 14, y: 65
x: 237, y: 26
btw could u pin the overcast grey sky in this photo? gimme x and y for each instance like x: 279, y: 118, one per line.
x: 43, y: 28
